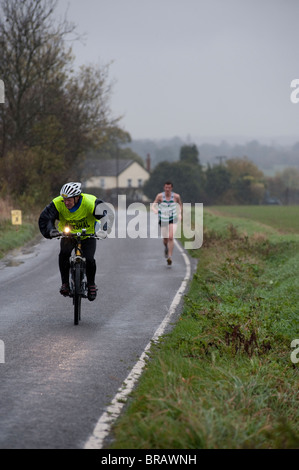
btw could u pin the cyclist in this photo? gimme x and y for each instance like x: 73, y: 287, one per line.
x: 77, y: 211
x: 169, y: 211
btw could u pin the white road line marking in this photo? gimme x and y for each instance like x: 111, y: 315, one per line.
x: 103, y: 426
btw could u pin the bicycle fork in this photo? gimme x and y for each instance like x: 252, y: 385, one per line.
x: 75, y: 260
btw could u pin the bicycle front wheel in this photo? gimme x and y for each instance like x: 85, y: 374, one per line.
x: 77, y: 294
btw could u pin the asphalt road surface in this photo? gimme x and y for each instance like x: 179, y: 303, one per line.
x: 57, y: 379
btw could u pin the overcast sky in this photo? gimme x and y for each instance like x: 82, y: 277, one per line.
x: 195, y: 69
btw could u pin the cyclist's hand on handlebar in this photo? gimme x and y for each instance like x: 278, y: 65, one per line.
x: 54, y: 233
x: 101, y: 234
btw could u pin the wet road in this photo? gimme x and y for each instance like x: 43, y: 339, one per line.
x: 57, y: 378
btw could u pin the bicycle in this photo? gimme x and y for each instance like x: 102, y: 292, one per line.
x: 77, y: 276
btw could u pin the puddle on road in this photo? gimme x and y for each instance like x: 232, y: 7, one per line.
x: 18, y: 257
x: 12, y: 263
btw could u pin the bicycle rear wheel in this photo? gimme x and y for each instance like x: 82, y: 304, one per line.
x: 77, y: 294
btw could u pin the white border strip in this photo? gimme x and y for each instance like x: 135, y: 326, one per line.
x: 103, y: 426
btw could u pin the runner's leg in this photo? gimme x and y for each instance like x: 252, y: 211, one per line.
x: 172, y: 229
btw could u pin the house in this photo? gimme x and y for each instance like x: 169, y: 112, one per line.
x: 115, y: 176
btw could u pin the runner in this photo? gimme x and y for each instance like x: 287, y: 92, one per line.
x: 169, y: 210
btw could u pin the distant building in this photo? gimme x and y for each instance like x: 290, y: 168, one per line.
x: 109, y: 178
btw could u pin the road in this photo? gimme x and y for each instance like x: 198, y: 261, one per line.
x: 57, y: 378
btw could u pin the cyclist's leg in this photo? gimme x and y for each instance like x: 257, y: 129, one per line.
x: 66, y: 246
x: 89, y: 249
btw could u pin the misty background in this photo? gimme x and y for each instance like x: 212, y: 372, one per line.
x: 212, y: 72
x: 130, y: 79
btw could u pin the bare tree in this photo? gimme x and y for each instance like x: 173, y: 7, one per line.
x: 33, y: 60
x: 50, y: 112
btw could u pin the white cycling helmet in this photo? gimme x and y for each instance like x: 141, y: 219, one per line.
x: 70, y: 190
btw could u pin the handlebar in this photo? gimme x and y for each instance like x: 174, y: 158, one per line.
x: 100, y: 235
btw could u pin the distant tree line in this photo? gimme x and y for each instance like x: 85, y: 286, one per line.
x: 51, y: 114
x: 266, y: 157
x: 231, y: 181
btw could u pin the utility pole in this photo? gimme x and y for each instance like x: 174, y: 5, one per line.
x: 220, y: 158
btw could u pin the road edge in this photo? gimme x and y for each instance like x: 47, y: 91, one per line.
x: 113, y: 411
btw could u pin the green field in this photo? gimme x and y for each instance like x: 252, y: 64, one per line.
x: 224, y: 377
x: 285, y: 219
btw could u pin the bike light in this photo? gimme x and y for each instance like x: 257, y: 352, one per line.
x: 67, y: 230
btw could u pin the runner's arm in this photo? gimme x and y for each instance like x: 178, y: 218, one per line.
x: 179, y: 202
x: 156, y: 202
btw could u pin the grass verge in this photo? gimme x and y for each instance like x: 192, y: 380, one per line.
x: 223, y: 378
x: 11, y: 238
x: 14, y: 236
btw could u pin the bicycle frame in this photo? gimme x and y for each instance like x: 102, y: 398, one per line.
x: 78, y: 281
x: 77, y: 277
x: 77, y: 257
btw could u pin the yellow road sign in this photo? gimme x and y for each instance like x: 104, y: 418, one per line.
x: 16, y: 217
